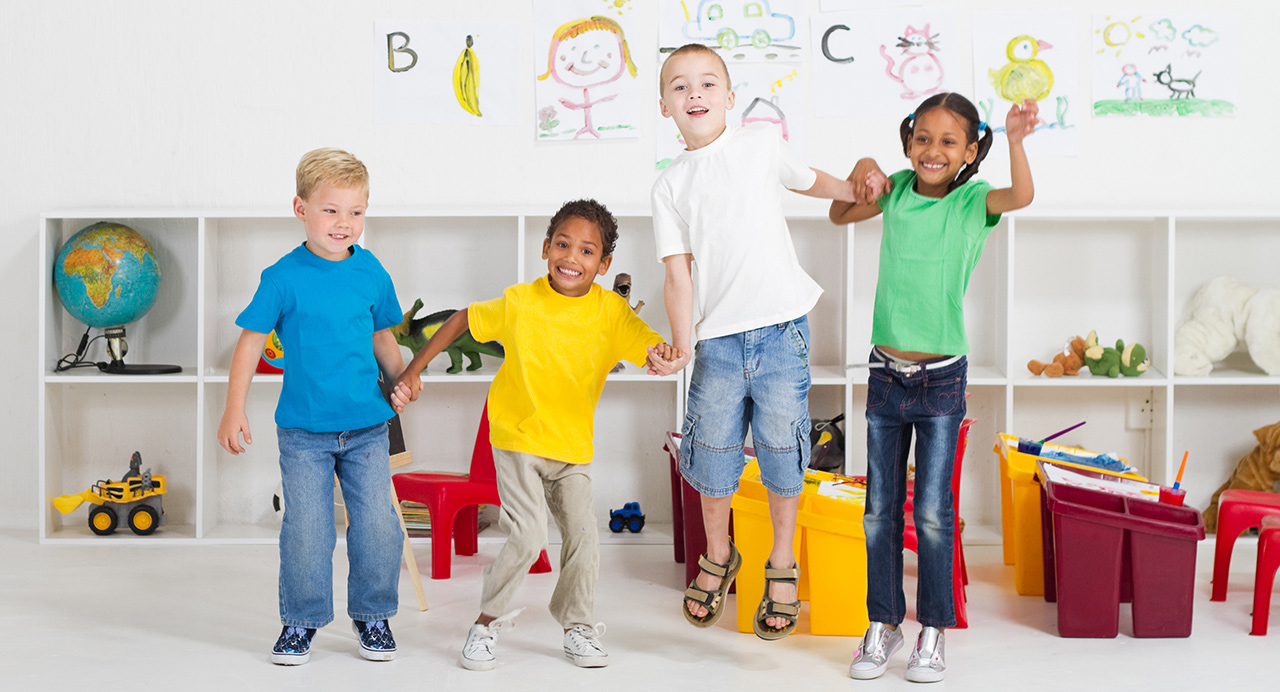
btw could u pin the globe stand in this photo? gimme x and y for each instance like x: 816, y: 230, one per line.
x: 117, y: 347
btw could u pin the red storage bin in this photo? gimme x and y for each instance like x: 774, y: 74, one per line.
x: 1102, y: 546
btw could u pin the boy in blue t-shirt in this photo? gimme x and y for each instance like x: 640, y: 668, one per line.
x: 331, y: 303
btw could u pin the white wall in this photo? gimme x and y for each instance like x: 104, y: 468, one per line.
x: 177, y: 104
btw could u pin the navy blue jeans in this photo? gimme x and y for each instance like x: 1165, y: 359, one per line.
x: 931, y: 403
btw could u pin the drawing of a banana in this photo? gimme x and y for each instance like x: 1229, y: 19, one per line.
x: 466, y: 80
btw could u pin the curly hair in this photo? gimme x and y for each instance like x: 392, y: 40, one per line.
x: 592, y: 211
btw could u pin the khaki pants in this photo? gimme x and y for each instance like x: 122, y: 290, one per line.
x: 528, y: 486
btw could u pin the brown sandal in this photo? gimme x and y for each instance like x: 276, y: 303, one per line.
x: 712, y: 600
x: 770, y: 608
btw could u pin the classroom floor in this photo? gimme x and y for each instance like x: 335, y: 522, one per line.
x: 204, y: 617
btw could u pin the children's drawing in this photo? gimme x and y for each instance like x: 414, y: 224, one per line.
x: 882, y: 62
x: 587, y: 88
x: 1165, y: 64
x: 740, y: 30
x: 1028, y: 55
x: 772, y: 94
x: 428, y: 73
x: 844, y: 5
x: 918, y: 68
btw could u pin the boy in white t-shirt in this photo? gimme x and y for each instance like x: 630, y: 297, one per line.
x: 720, y: 202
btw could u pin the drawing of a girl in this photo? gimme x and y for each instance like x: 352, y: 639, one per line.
x: 585, y: 54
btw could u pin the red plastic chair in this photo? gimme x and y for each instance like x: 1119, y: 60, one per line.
x: 1238, y: 511
x: 453, y: 502
x: 1268, y: 562
x: 959, y: 574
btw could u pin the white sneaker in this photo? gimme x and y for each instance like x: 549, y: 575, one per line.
x: 582, y: 646
x: 878, y: 644
x: 478, y: 652
x: 927, y: 664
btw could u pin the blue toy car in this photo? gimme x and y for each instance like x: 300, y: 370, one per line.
x: 629, y: 517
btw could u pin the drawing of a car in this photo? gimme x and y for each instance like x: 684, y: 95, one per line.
x: 729, y: 23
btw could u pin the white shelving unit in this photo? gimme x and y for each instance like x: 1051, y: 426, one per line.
x: 1043, y: 277
x: 90, y: 422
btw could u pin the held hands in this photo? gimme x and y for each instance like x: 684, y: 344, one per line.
x: 665, y: 359
x: 869, y: 182
x: 405, y: 390
x: 1021, y: 120
x: 234, y: 423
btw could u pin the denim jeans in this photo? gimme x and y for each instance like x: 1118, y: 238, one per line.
x: 308, y: 462
x: 930, y: 402
x: 758, y: 378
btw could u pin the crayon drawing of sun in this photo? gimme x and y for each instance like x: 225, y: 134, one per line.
x: 1117, y: 34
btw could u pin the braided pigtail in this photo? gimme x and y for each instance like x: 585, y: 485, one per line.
x: 984, y: 146
x: 906, y: 129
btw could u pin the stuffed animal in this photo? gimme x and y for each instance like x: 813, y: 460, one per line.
x: 1129, y: 361
x: 1257, y: 470
x: 1068, y: 361
x: 414, y: 332
x: 1224, y: 313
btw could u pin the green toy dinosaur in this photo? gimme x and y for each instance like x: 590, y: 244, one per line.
x: 1130, y: 361
x: 414, y: 332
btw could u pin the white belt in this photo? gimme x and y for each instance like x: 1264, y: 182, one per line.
x: 906, y: 367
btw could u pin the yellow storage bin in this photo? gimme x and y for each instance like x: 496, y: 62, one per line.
x: 830, y: 549
x: 1020, y: 511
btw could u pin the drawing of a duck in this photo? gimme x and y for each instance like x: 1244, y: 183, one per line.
x: 1024, y: 77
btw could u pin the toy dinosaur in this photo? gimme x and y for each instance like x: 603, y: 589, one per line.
x: 622, y: 286
x: 413, y: 333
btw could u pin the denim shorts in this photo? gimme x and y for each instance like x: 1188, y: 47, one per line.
x: 757, y: 379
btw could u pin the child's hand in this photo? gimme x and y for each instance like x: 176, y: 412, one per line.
x: 869, y: 182
x: 1021, y: 120
x: 234, y: 423
x: 405, y: 390
x: 665, y: 359
x: 401, y: 396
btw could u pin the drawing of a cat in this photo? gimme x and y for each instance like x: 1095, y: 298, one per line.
x: 920, y: 72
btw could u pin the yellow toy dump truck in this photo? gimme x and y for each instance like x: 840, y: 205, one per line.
x: 136, y: 496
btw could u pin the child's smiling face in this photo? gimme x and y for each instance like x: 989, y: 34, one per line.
x: 574, y: 255
x: 939, y: 148
x: 334, y: 219
x: 696, y: 94
x: 591, y: 58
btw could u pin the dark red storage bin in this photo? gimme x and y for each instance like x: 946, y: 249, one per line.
x: 1099, y: 547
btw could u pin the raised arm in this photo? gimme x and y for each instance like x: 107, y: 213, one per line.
x: 1020, y: 122
x: 243, y: 362
x: 450, y: 330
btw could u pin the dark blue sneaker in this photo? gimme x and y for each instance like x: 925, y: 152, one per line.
x: 376, y: 642
x: 293, y: 648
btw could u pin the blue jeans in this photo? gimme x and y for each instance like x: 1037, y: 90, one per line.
x: 758, y: 378
x: 308, y: 462
x: 932, y: 403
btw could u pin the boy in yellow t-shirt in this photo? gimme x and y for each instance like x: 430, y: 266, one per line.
x: 562, y: 334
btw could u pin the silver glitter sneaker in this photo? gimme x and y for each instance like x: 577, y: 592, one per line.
x: 927, y: 664
x: 878, y: 644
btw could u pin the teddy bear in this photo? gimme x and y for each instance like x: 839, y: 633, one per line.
x: 1068, y: 361
x: 1130, y: 361
x: 1225, y: 313
x: 1258, y: 470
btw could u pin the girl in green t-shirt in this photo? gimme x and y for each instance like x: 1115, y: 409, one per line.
x: 936, y: 221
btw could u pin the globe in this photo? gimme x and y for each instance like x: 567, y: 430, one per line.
x: 107, y: 275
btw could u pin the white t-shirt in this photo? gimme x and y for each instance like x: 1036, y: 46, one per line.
x: 723, y: 204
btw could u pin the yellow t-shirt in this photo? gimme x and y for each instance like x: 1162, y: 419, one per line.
x: 558, y: 352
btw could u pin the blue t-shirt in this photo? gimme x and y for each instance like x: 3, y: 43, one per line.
x: 325, y: 314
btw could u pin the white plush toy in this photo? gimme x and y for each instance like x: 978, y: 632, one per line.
x: 1224, y: 313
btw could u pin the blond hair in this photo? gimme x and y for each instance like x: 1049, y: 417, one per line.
x: 333, y: 166
x: 692, y: 48
x: 580, y: 26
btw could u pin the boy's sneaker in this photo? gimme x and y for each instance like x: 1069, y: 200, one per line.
x: 927, y: 664
x: 878, y: 644
x: 376, y: 641
x: 478, y: 652
x: 582, y: 646
x: 293, y: 648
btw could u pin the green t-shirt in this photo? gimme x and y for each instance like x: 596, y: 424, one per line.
x: 929, y: 248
